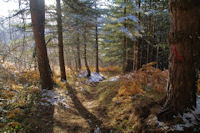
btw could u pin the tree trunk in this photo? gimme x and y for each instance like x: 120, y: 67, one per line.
x: 127, y: 54
x: 37, y: 8
x: 124, y: 44
x: 97, y: 43
x: 97, y: 51
x: 184, y: 45
x: 136, y: 55
x: 85, y: 54
x: 60, y: 41
x: 136, y: 50
x: 78, y: 53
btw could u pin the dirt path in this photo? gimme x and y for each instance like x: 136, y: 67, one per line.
x: 78, y: 118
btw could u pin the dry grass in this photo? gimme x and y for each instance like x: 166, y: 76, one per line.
x: 115, y: 69
x: 147, y: 77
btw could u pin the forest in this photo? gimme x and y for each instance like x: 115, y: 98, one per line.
x: 100, y: 66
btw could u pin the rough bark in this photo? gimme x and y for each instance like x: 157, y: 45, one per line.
x: 184, y: 46
x: 37, y: 8
x: 97, y: 43
x: 60, y: 41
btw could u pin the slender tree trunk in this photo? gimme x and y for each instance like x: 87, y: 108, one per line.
x: 97, y: 51
x: 97, y: 42
x: 85, y: 54
x: 149, y: 38
x: 78, y: 53
x: 38, y: 21
x: 127, y: 60
x: 136, y: 55
x: 184, y: 45
x: 157, y: 55
x: 124, y: 45
x: 136, y: 58
x: 60, y: 41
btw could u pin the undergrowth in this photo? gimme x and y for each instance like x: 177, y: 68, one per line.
x: 18, y: 93
x: 145, y: 78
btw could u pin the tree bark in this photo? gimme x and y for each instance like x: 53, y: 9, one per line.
x: 60, y: 41
x: 37, y: 8
x: 136, y: 56
x: 78, y: 53
x: 124, y: 44
x: 184, y: 45
x: 97, y: 42
x: 97, y: 51
x: 85, y: 54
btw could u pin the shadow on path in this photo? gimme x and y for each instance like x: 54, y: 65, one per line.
x: 94, y: 123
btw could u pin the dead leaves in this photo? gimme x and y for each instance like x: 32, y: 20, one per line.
x: 145, y: 78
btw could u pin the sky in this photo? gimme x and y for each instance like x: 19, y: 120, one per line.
x: 7, y: 6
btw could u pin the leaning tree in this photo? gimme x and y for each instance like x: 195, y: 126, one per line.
x: 37, y: 8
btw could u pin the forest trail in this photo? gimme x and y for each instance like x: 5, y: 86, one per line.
x: 81, y: 106
x: 80, y: 117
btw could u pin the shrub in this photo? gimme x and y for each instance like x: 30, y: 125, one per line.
x: 146, y: 77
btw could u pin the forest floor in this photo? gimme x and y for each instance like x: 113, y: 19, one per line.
x: 84, y: 105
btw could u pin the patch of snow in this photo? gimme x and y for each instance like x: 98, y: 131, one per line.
x: 165, y: 128
x: 155, y: 121
x: 89, y: 121
x: 179, y: 127
x: 112, y: 79
x: 190, y: 118
x: 160, y: 124
x: 97, y: 130
x: 82, y: 74
x: 50, y: 97
x: 96, y: 77
x: 83, y: 89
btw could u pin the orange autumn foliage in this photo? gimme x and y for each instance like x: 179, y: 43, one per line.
x: 147, y: 77
x: 110, y: 69
x: 11, y: 115
x: 31, y: 76
x: 14, y: 124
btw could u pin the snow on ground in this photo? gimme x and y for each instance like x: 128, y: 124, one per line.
x: 82, y: 74
x: 190, y: 119
x: 50, y: 97
x: 112, y: 79
x: 96, y: 77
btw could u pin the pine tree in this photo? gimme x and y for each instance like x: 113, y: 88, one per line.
x: 184, y: 45
x: 37, y: 8
x: 60, y: 41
